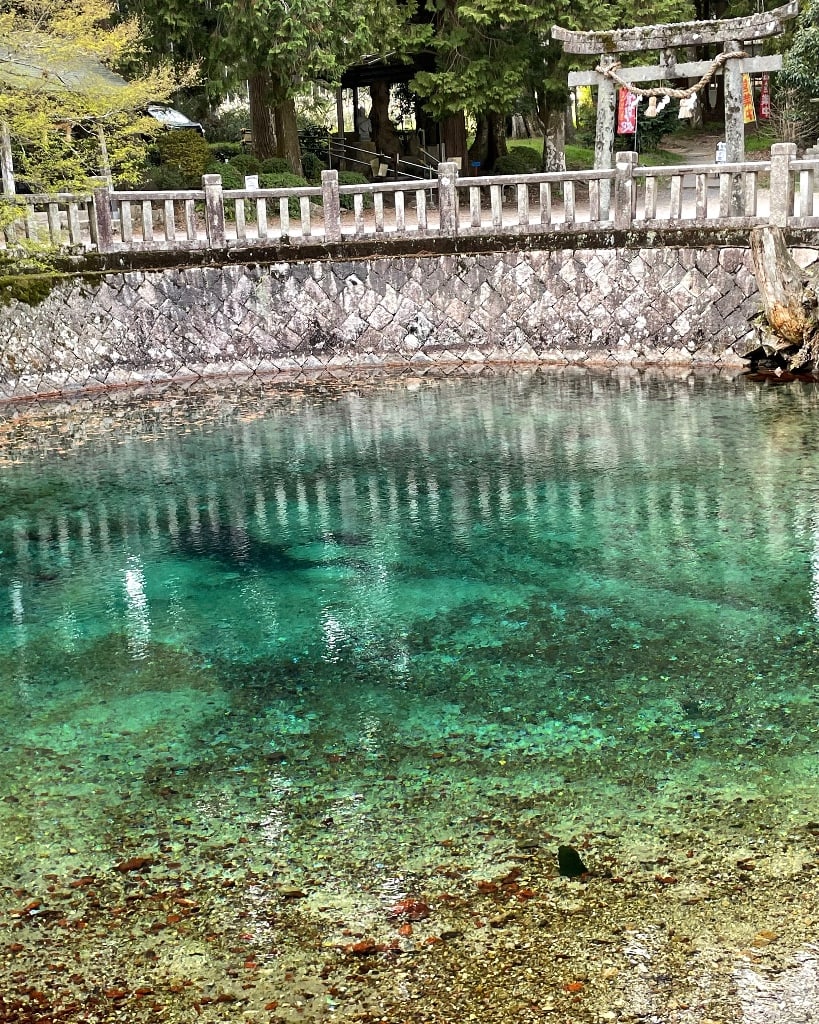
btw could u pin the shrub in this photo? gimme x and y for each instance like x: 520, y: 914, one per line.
x: 650, y: 130
x: 186, y: 152
x: 520, y: 160
x: 163, y: 178
x: 532, y: 156
x: 286, y: 180
x: 226, y: 150
x: 353, y: 178
x: 275, y: 165
x: 246, y: 163
x: 314, y: 138
x: 231, y: 178
x: 312, y: 166
x: 229, y: 125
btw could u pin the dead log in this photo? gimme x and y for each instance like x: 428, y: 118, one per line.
x: 788, y: 298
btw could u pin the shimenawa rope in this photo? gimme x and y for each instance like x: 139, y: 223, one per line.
x: 664, y: 90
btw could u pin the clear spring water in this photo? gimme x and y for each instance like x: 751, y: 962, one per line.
x: 336, y: 626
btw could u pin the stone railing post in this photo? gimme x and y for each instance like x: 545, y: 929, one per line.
x: 331, y: 203
x: 102, y: 229
x: 448, y: 198
x: 625, y: 190
x: 781, y: 182
x: 214, y: 210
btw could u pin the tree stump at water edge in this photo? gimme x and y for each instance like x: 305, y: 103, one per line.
x: 791, y: 340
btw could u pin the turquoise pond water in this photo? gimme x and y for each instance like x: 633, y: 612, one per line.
x: 339, y: 624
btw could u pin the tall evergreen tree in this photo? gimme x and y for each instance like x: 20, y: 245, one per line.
x: 275, y: 47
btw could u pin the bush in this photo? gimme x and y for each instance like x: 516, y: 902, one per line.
x: 186, y: 152
x: 520, y: 160
x: 275, y: 165
x: 314, y: 138
x: 226, y: 150
x: 229, y: 125
x: 650, y: 130
x: 164, y: 178
x: 312, y: 166
x: 246, y: 163
x: 532, y: 156
x: 286, y: 180
x: 231, y: 178
x: 353, y: 178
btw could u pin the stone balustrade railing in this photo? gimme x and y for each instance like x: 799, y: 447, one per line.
x: 711, y: 197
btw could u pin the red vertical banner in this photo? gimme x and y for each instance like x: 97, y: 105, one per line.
x: 626, y: 112
x: 765, y: 98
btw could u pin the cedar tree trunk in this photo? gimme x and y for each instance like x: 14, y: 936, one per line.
x: 262, y: 103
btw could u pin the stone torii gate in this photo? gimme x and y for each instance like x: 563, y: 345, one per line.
x: 733, y: 33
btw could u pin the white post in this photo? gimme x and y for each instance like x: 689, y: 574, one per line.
x: 6, y: 163
x: 214, y: 210
x: 447, y: 198
x: 781, y: 182
x: 331, y: 204
x: 625, y: 192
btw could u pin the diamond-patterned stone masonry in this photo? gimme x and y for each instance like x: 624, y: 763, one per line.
x: 587, y: 305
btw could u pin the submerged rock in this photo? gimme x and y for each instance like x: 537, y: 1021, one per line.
x: 569, y: 863
x: 135, y: 864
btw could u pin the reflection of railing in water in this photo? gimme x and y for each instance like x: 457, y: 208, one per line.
x: 590, y: 203
x: 539, y: 473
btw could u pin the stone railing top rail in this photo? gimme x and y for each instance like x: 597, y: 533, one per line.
x: 783, y: 190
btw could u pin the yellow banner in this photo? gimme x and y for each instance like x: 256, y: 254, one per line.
x: 748, y: 109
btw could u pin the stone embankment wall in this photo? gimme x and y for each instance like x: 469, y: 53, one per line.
x: 664, y: 305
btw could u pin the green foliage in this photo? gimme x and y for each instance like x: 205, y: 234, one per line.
x: 32, y: 289
x: 228, y: 125
x: 246, y: 163
x: 299, y: 41
x: 185, y: 151
x: 287, y: 180
x: 800, y: 68
x: 652, y: 130
x: 69, y: 117
x: 353, y: 178
x: 482, y: 49
x: 225, y: 150
x: 166, y: 177
x: 312, y: 166
x: 314, y: 138
x: 519, y: 160
x: 579, y: 158
x: 760, y: 141
x: 793, y: 115
x: 798, y: 81
x: 275, y: 165
x: 231, y: 178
